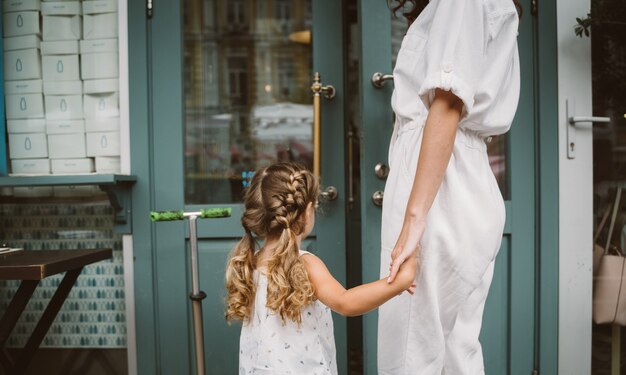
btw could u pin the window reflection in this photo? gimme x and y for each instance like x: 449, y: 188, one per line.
x: 247, y: 98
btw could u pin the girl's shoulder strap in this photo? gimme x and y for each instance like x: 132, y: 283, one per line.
x: 304, y: 252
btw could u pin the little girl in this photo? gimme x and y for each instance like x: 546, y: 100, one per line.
x: 284, y: 294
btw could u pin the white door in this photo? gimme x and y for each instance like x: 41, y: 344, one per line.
x: 591, y: 82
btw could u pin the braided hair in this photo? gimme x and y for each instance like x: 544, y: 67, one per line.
x: 274, y: 202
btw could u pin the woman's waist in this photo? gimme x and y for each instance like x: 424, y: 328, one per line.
x: 471, y: 137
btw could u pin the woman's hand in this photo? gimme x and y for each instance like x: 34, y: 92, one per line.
x: 408, y: 244
x: 407, y: 272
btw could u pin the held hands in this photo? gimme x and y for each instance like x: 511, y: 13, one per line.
x: 406, y: 246
x: 406, y: 273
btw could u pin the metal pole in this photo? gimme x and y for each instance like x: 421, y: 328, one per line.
x: 196, y: 297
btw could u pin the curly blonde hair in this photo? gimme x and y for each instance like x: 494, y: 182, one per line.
x: 276, y: 198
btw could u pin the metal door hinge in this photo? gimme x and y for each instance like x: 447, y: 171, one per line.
x: 149, y: 8
x: 533, y: 10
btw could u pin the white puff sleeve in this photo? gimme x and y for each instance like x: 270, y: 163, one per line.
x: 455, y: 50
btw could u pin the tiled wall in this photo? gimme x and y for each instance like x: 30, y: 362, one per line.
x: 94, y: 313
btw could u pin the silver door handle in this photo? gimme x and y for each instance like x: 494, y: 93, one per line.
x: 577, y: 122
x: 378, y: 79
x: 377, y: 198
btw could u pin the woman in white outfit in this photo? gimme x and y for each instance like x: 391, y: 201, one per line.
x: 456, y: 84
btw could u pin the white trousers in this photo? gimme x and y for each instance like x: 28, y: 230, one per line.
x: 436, y: 330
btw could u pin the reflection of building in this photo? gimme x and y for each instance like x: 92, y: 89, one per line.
x: 282, y: 131
x: 238, y: 56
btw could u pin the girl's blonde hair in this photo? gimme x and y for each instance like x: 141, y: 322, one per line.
x: 276, y: 198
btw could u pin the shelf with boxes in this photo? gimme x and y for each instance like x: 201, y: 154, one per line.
x: 65, y: 94
x: 62, y: 87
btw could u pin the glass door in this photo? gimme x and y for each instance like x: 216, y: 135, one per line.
x: 230, y: 92
x: 608, y: 70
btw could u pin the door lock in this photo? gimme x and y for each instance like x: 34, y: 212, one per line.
x: 381, y: 170
x: 377, y: 198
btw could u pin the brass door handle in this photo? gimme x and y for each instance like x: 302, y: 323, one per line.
x: 378, y: 79
x: 330, y: 193
x: 329, y: 94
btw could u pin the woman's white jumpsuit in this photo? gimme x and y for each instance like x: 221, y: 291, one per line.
x: 468, y: 47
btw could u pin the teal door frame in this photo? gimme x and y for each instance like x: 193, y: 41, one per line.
x: 520, y: 330
x: 156, y: 96
x: 547, y: 148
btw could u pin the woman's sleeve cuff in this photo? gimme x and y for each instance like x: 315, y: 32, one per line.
x: 446, y: 80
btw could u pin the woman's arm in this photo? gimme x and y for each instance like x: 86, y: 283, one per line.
x: 360, y: 299
x: 437, y: 142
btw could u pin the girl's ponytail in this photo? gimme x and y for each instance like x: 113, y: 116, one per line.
x: 240, y: 279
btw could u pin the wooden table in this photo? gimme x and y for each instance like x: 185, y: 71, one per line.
x: 30, y: 266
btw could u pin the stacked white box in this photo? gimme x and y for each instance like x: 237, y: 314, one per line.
x: 67, y: 146
x: 71, y: 166
x: 28, y: 149
x: 99, y: 19
x: 61, y: 20
x: 61, y: 69
x: 30, y: 166
x: 99, y: 59
x: 60, y: 60
x: 101, y: 105
x: 108, y: 164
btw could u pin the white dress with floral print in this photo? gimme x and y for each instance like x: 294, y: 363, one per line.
x: 267, y: 346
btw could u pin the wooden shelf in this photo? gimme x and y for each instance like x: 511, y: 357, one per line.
x: 117, y: 187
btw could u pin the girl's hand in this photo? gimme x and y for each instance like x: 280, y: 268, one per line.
x: 407, y: 272
x: 408, y: 244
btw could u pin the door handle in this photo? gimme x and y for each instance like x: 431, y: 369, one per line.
x: 318, y: 89
x: 577, y: 122
x: 378, y: 79
x: 377, y: 198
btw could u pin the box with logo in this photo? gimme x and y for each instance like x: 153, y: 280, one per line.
x: 21, y: 23
x: 23, y: 64
x: 24, y: 106
x: 28, y: 146
x: 103, y: 144
x: 61, y: 20
x: 99, y: 19
x: 32, y: 86
x: 99, y: 59
x: 64, y: 107
x: 65, y: 126
x: 71, y: 166
x: 101, y: 105
x: 108, y: 164
x: 60, y: 67
x: 66, y: 146
x: 30, y: 166
x: 26, y: 126
x: 20, y: 5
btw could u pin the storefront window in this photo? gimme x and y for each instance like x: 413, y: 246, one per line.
x: 247, y: 92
